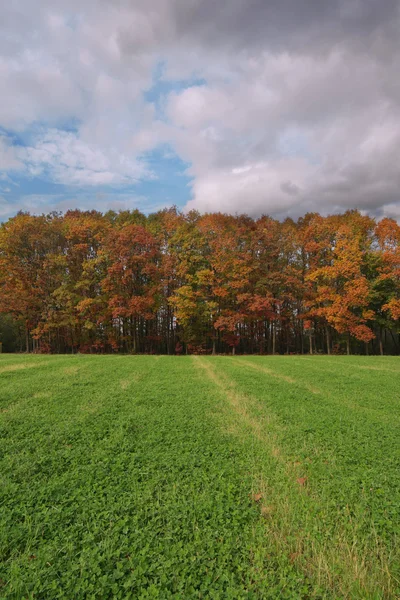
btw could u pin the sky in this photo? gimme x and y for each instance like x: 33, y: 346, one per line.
x: 276, y: 107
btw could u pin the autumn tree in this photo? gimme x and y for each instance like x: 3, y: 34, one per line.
x: 175, y: 282
x: 343, y: 291
x: 132, y: 284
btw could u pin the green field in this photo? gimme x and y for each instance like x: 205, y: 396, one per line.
x: 199, y: 477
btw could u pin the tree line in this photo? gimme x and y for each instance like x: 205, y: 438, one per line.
x: 177, y: 283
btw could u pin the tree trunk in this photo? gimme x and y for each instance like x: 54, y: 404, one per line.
x: 273, y: 337
x: 311, y: 348
x: 133, y: 334
x: 380, y: 342
x: 394, y: 340
x: 328, y: 340
x: 348, y: 344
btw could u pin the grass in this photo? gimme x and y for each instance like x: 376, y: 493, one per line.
x: 199, y: 477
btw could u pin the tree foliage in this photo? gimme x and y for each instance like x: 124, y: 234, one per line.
x: 172, y: 282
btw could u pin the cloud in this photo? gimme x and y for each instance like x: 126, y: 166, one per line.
x: 336, y: 113
x: 8, y: 156
x: 65, y: 158
x: 298, y: 105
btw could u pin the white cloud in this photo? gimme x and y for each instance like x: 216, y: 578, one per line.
x: 264, y: 187
x: 344, y: 137
x: 66, y: 159
x: 298, y: 109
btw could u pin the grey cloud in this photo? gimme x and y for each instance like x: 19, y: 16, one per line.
x: 290, y: 188
x: 251, y: 25
x: 299, y: 109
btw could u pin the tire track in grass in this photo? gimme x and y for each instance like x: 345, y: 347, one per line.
x: 286, y: 378
x: 326, y: 394
x: 377, y: 560
x: 293, y: 511
x: 341, y: 401
x: 348, y: 362
x: 240, y: 403
x: 22, y: 366
x: 235, y: 399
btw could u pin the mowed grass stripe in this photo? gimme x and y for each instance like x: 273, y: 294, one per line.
x: 280, y: 483
x: 348, y: 519
x: 347, y: 379
x: 118, y: 480
x: 335, y: 387
x: 140, y: 477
